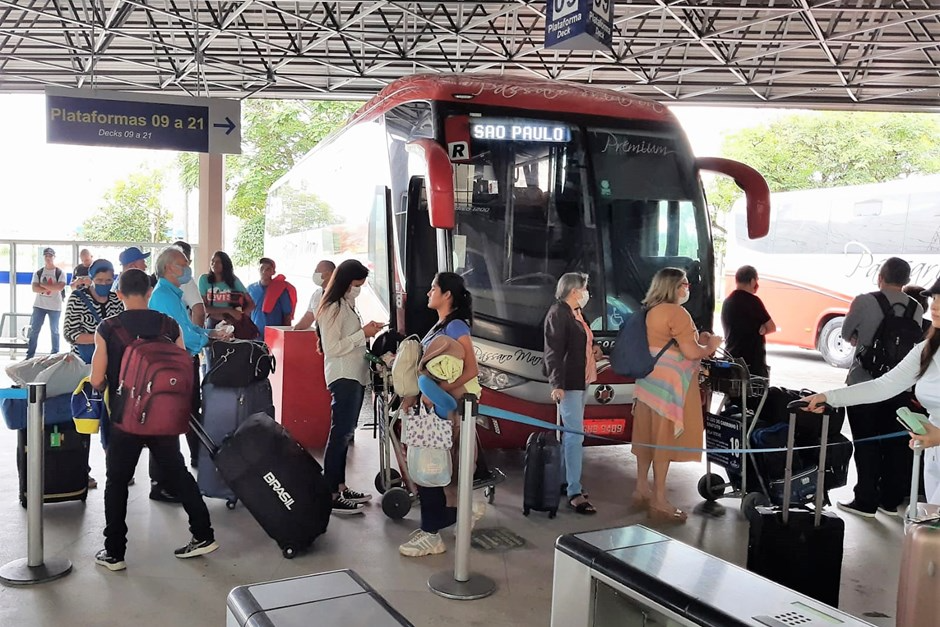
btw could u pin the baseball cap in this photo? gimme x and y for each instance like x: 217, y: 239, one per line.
x: 132, y: 254
x: 48, y: 251
x: 933, y: 290
x: 100, y: 265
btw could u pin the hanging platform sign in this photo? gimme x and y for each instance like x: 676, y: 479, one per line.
x: 130, y: 120
x: 579, y: 25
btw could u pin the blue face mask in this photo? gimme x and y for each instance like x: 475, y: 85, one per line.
x: 187, y: 275
x: 102, y: 290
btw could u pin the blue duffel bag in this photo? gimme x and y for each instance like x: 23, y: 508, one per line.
x: 56, y: 410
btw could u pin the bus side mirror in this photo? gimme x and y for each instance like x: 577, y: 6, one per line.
x: 440, y: 181
x: 754, y: 186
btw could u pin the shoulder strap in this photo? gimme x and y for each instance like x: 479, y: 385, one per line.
x: 90, y: 305
x: 58, y: 274
x: 911, y: 310
x: 884, y: 303
x: 118, y: 328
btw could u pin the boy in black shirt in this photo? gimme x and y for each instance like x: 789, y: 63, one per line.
x: 124, y: 448
x: 745, y: 321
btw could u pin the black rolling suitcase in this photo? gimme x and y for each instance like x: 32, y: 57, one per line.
x: 65, y: 461
x: 799, y: 548
x: 542, y: 474
x: 278, y: 481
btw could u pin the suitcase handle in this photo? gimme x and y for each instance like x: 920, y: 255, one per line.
x: 915, y: 482
x: 793, y: 406
x: 203, y: 435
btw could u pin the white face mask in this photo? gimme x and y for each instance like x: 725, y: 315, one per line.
x: 353, y: 292
x: 684, y: 298
x: 318, y: 280
x: 583, y: 299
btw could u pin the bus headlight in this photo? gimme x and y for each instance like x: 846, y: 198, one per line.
x: 497, y: 379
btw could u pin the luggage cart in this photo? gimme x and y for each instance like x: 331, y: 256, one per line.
x: 399, y: 492
x: 731, y: 379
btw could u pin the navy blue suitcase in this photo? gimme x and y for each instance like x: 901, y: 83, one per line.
x: 223, y: 410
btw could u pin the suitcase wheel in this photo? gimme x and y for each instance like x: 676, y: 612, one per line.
x: 230, y: 504
x: 380, y: 483
x: 525, y: 511
x: 289, y: 552
x: 553, y: 513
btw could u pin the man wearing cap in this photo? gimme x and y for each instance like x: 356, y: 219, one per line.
x: 135, y: 258
x: 49, y: 287
x: 88, y: 306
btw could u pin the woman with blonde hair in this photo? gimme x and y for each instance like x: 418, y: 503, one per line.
x: 668, y: 406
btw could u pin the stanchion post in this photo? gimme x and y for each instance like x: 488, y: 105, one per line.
x: 460, y: 584
x: 34, y: 568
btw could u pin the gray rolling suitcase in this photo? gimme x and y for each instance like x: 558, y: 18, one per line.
x: 223, y: 410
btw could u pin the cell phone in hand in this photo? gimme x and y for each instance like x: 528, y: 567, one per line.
x: 912, y: 421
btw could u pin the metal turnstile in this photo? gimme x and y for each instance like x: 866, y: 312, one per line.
x: 636, y: 576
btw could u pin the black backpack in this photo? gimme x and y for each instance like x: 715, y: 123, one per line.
x: 895, y: 337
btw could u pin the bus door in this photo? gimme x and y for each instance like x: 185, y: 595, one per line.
x: 421, y: 259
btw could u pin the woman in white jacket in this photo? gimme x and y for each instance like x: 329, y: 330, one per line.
x: 920, y: 370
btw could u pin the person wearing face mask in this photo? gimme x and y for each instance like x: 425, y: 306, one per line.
x: 173, y: 271
x: 746, y: 322
x: 321, y: 278
x: 343, y: 338
x: 668, y: 407
x: 571, y: 365
x: 88, y: 306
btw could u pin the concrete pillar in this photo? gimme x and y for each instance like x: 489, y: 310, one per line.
x: 211, y: 210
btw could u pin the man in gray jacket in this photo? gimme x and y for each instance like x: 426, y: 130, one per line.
x: 884, y: 466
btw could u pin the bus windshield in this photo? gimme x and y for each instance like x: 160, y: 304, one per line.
x: 615, y: 204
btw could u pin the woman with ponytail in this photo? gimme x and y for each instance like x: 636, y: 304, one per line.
x: 920, y: 369
x: 453, y: 303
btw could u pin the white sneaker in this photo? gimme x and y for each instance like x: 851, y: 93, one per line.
x: 477, y: 514
x: 422, y: 543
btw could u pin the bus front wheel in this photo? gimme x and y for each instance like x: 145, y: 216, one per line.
x: 836, y: 351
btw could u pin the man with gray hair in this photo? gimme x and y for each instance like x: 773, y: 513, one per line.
x: 884, y: 466
x: 173, y: 271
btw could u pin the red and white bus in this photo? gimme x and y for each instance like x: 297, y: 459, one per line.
x: 826, y: 246
x: 511, y: 182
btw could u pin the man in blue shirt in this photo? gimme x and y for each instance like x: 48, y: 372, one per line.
x: 173, y: 271
x: 272, y: 297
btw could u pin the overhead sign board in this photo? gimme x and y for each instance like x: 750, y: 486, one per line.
x: 579, y: 24
x: 130, y: 120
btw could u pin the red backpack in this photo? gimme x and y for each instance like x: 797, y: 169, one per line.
x: 155, y: 387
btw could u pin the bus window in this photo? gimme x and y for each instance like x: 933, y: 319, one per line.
x: 651, y: 215
x: 923, y: 224
x: 520, y: 225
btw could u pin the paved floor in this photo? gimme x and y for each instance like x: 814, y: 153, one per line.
x: 158, y: 589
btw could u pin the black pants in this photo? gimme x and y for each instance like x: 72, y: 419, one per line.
x: 884, y: 466
x: 122, y: 455
x: 191, y: 439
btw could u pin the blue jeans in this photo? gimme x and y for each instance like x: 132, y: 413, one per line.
x: 347, y: 403
x: 572, y: 417
x: 35, y: 326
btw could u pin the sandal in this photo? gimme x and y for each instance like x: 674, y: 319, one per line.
x: 584, y: 507
x: 673, y: 514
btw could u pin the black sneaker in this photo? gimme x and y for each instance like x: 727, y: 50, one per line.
x: 853, y: 508
x: 342, y: 507
x: 355, y: 497
x: 160, y: 494
x: 111, y: 563
x: 196, y: 548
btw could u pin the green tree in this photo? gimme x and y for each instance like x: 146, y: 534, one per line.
x: 132, y: 211
x: 829, y: 149
x: 276, y: 133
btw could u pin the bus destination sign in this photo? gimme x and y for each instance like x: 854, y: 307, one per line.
x: 502, y: 129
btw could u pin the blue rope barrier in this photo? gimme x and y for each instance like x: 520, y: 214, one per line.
x: 496, y: 412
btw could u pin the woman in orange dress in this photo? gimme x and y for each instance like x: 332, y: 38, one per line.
x: 668, y: 406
